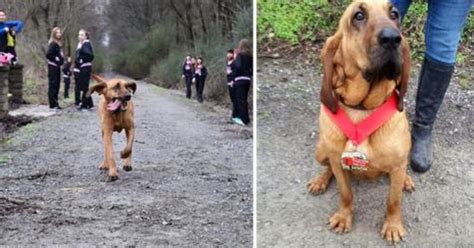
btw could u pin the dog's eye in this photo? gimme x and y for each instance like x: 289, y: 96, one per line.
x: 359, y: 16
x: 394, y: 15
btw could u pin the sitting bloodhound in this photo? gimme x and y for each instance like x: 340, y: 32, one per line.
x: 363, y: 129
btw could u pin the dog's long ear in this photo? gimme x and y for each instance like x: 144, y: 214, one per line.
x: 98, y: 78
x: 405, y: 76
x: 131, y: 86
x: 99, y: 88
x: 328, y: 97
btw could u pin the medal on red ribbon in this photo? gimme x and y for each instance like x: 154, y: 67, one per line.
x: 354, y: 160
x: 356, y: 133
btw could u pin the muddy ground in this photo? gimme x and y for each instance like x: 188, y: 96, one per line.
x: 438, y: 214
x: 191, y: 183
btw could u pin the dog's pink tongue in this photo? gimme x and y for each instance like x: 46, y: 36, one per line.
x: 114, y: 105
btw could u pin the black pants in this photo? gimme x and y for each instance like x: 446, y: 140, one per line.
x: 199, y: 89
x: 241, y: 92
x: 232, y: 100
x: 84, y: 79
x: 77, y: 89
x: 189, y: 81
x: 67, y: 83
x: 54, y: 79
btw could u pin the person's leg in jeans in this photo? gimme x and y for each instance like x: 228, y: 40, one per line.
x: 443, y: 29
x: 402, y: 6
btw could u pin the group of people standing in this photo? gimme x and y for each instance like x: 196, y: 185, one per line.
x: 239, y: 70
x: 81, y: 69
x: 194, y: 71
x: 55, y: 59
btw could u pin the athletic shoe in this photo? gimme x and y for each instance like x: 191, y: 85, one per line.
x: 238, y: 121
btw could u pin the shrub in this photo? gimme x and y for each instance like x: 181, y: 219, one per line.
x: 413, y: 25
x: 136, y: 60
x: 243, y: 24
x: 297, y: 21
x: 166, y: 72
x: 98, y: 63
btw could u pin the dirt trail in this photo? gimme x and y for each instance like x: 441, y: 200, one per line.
x: 191, y: 183
x: 438, y: 214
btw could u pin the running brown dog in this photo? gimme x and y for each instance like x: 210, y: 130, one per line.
x: 116, y: 112
x: 365, y: 63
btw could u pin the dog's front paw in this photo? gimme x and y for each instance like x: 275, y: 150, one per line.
x: 393, y: 231
x: 341, y: 221
x: 112, y: 175
x: 408, y: 185
x: 127, y: 167
x: 103, y: 166
x: 112, y: 178
x: 318, y: 185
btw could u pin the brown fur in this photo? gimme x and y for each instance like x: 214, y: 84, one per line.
x: 115, y: 121
x: 345, y: 57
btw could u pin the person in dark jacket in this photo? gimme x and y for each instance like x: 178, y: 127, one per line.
x: 242, y: 70
x: 230, y: 81
x: 67, y: 76
x: 83, y: 67
x: 200, y: 74
x: 7, y: 29
x: 188, y: 71
x: 55, y: 59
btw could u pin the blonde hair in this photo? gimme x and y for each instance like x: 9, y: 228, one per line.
x: 244, y: 47
x: 52, y: 37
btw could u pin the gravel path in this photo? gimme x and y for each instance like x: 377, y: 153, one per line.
x: 438, y: 214
x: 191, y: 183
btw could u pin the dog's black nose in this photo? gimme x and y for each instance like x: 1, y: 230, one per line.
x: 389, y: 38
x: 128, y: 97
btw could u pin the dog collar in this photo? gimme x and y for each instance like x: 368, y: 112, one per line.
x: 362, y: 130
x: 359, y: 106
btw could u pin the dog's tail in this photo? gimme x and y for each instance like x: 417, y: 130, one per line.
x: 98, y: 78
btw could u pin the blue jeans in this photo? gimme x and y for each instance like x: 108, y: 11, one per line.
x: 443, y: 27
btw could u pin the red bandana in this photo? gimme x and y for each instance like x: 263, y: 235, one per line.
x: 362, y: 130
